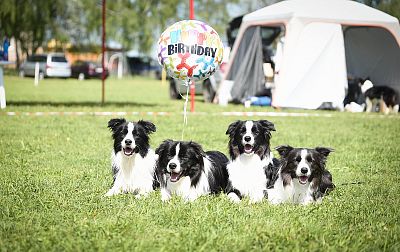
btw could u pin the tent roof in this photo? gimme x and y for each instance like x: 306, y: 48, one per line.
x: 337, y: 11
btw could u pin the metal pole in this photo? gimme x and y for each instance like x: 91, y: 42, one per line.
x: 36, y: 74
x: 2, y: 90
x: 103, y: 49
x: 192, y: 85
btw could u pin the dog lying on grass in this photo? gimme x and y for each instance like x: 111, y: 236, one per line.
x: 386, y: 97
x: 302, y: 177
x: 186, y: 170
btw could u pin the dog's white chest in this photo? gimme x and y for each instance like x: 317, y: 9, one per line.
x: 247, y: 175
x: 181, y: 187
x: 185, y: 189
x: 292, y: 193
x: 135, y: 173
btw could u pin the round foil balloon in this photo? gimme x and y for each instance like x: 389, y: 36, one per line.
x: 190, y: 50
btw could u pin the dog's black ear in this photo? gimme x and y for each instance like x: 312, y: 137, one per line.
x: 113, y: 124
x: 197, y: 148
x: 163, y: 147
x: 149, y: 127
x: 232, y: 127
x: 324, y: 150
x: 284, y: 150
x: 267, y: 125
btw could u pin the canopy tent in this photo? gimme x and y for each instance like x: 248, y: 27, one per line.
x: 325, y: 42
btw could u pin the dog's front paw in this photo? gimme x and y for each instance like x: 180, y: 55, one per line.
x: 190, y: 198
x: 165, y: 195
x: 233, y: 197
x: 110, y: 193
x: 141, y: 195
x: 254, y: 200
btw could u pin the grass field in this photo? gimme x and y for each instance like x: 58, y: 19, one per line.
x: 54, y: 171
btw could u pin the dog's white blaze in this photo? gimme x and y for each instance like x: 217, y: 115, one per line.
x: 303, y: 164
x: 247, y: 175
x: 134, y: 175
x: 184, y: 188
x: 249, y: 126
x: 129, y: 136
x: 175, y: 160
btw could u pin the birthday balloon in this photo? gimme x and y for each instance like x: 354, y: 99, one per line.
x: 190, y: 50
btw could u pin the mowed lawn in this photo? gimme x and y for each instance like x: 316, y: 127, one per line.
x: 54, y: 171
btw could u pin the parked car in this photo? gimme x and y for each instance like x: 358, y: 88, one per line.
x: 50, y: 65
x: 145, y: 66
x: 87, y: 69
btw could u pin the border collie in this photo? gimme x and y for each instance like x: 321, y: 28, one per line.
x: 386, y: 97
x: 184, y: 169
x: 302, y: 177
x: 132, y: 160
x: 252, y: 164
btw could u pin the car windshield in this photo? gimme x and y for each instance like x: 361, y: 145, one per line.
x: 38, y: 58
x: 58, y: 59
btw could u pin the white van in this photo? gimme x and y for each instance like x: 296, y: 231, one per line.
x: 50, y: 65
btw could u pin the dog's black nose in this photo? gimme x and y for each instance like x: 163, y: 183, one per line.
x: 172, y: 166
x: 304, y: 170
x: 128, y: 142
x: 247, y: 138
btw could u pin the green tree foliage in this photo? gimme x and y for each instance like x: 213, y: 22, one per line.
x: 391, y: 7
x: 131, y: 23
x: 31, y: 23
x: 214, y: 12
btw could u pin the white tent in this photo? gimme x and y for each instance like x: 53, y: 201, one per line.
x: 325, y: 42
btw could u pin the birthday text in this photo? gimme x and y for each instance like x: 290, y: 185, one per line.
x: 193, y: 49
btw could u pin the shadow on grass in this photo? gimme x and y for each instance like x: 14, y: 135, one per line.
x: 79, y: 104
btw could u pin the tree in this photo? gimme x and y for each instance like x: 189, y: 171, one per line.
x: 131, y: 23
x: 392, y: 7
x: 31, y: 23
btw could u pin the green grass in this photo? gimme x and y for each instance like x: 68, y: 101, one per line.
x: 54, y: 171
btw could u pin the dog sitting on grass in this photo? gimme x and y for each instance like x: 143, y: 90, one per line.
x: 132, y: 160
x: 252, y: 164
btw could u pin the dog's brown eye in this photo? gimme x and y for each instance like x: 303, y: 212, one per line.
x: 309, y: 159
x: 243, y: 130
x: 298, y: 159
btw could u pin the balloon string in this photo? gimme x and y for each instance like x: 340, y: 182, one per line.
x: 185, y: 119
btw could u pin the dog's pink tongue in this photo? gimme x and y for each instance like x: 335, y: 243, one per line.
x: 128, y: 150
x: 248, y: 147
x: 303, y: 179
x: 174, y: 176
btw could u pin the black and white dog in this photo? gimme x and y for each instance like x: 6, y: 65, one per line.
x: 132, y: 160
x: 184, y: 169
x: 302, y: 177
x: 252, y: 164
x: 387, y: 98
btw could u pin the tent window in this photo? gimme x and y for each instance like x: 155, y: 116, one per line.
x: 372, y: 52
